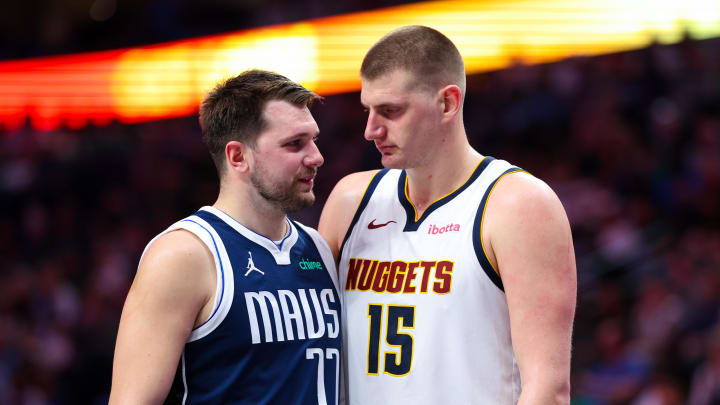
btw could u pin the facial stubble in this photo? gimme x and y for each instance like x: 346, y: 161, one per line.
x: 281, y: 195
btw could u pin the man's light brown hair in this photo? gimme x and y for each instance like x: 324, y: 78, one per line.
x: 427, y: 54
x: 233, y: 110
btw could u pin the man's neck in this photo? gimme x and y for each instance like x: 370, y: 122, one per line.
x: 260, y: 218
x: 447, y: 172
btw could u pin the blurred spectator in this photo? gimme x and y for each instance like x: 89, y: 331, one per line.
x: 705, y: 388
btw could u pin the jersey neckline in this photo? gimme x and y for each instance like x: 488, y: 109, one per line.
x: 281, y: 251
x: 412, y: 222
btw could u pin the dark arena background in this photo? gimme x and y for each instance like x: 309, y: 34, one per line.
x: 626, y: 130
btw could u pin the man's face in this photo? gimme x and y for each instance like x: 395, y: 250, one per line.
x: 285, y: 157
x: 403, y: 119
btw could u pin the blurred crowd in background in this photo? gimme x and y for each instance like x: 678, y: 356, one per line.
x: 629, y: 141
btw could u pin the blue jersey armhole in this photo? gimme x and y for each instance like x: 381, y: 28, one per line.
x: 222, y: 273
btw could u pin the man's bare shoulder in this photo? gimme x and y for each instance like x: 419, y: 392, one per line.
x: 523, y: 210
x: 179, y: 260
x: 175, y: 247
x: 521, y: 191
x: 351, y: 188
x: 340, y: 207
x: 521, y: 205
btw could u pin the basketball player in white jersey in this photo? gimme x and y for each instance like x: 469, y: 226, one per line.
x: 458, y: 269
x: 238, y: 304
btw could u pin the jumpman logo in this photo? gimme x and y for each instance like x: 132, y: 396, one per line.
x: 251, y: 266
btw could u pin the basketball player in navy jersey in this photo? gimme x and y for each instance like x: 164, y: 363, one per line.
x: 457, y: 269
x: 238, y: 304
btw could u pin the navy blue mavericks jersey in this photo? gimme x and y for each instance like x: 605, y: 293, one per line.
x: 274, y: 334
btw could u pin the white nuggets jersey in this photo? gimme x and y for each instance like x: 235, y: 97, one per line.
x: 424, y: 312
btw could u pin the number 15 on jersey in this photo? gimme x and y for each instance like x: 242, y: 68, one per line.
x: 396, y: 362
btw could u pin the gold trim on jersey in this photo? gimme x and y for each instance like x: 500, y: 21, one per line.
x: 482, y: 218
x: 407, y: 195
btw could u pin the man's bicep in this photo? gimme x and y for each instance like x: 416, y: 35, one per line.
x: 532, y: 244
x: 168, y: 292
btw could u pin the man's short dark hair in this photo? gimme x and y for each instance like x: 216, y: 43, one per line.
x: 422, y: 51
x: 233, y: 110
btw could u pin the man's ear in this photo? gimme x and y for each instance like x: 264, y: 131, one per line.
x: 451, y: 97
x: 238, y: 156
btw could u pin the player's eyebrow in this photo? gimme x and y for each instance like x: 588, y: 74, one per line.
x: 298, y: 135
x: 383, y: 105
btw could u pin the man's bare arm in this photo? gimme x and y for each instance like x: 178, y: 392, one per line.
x: 173, y: 288
x: 340, y: 208
x: 531, y: 246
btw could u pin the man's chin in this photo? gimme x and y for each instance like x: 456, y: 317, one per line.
x: 300, y: 202
x: 391, y: 162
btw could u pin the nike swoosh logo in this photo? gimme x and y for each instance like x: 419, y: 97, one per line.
x: 373, y: 225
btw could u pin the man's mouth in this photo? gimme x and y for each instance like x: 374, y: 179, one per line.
x: 308, y: 179
x: 385, y: 148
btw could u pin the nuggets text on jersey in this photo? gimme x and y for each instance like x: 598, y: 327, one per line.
x: 399, y: 276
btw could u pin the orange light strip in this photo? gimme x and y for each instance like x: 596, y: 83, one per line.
x: 169, y: 80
